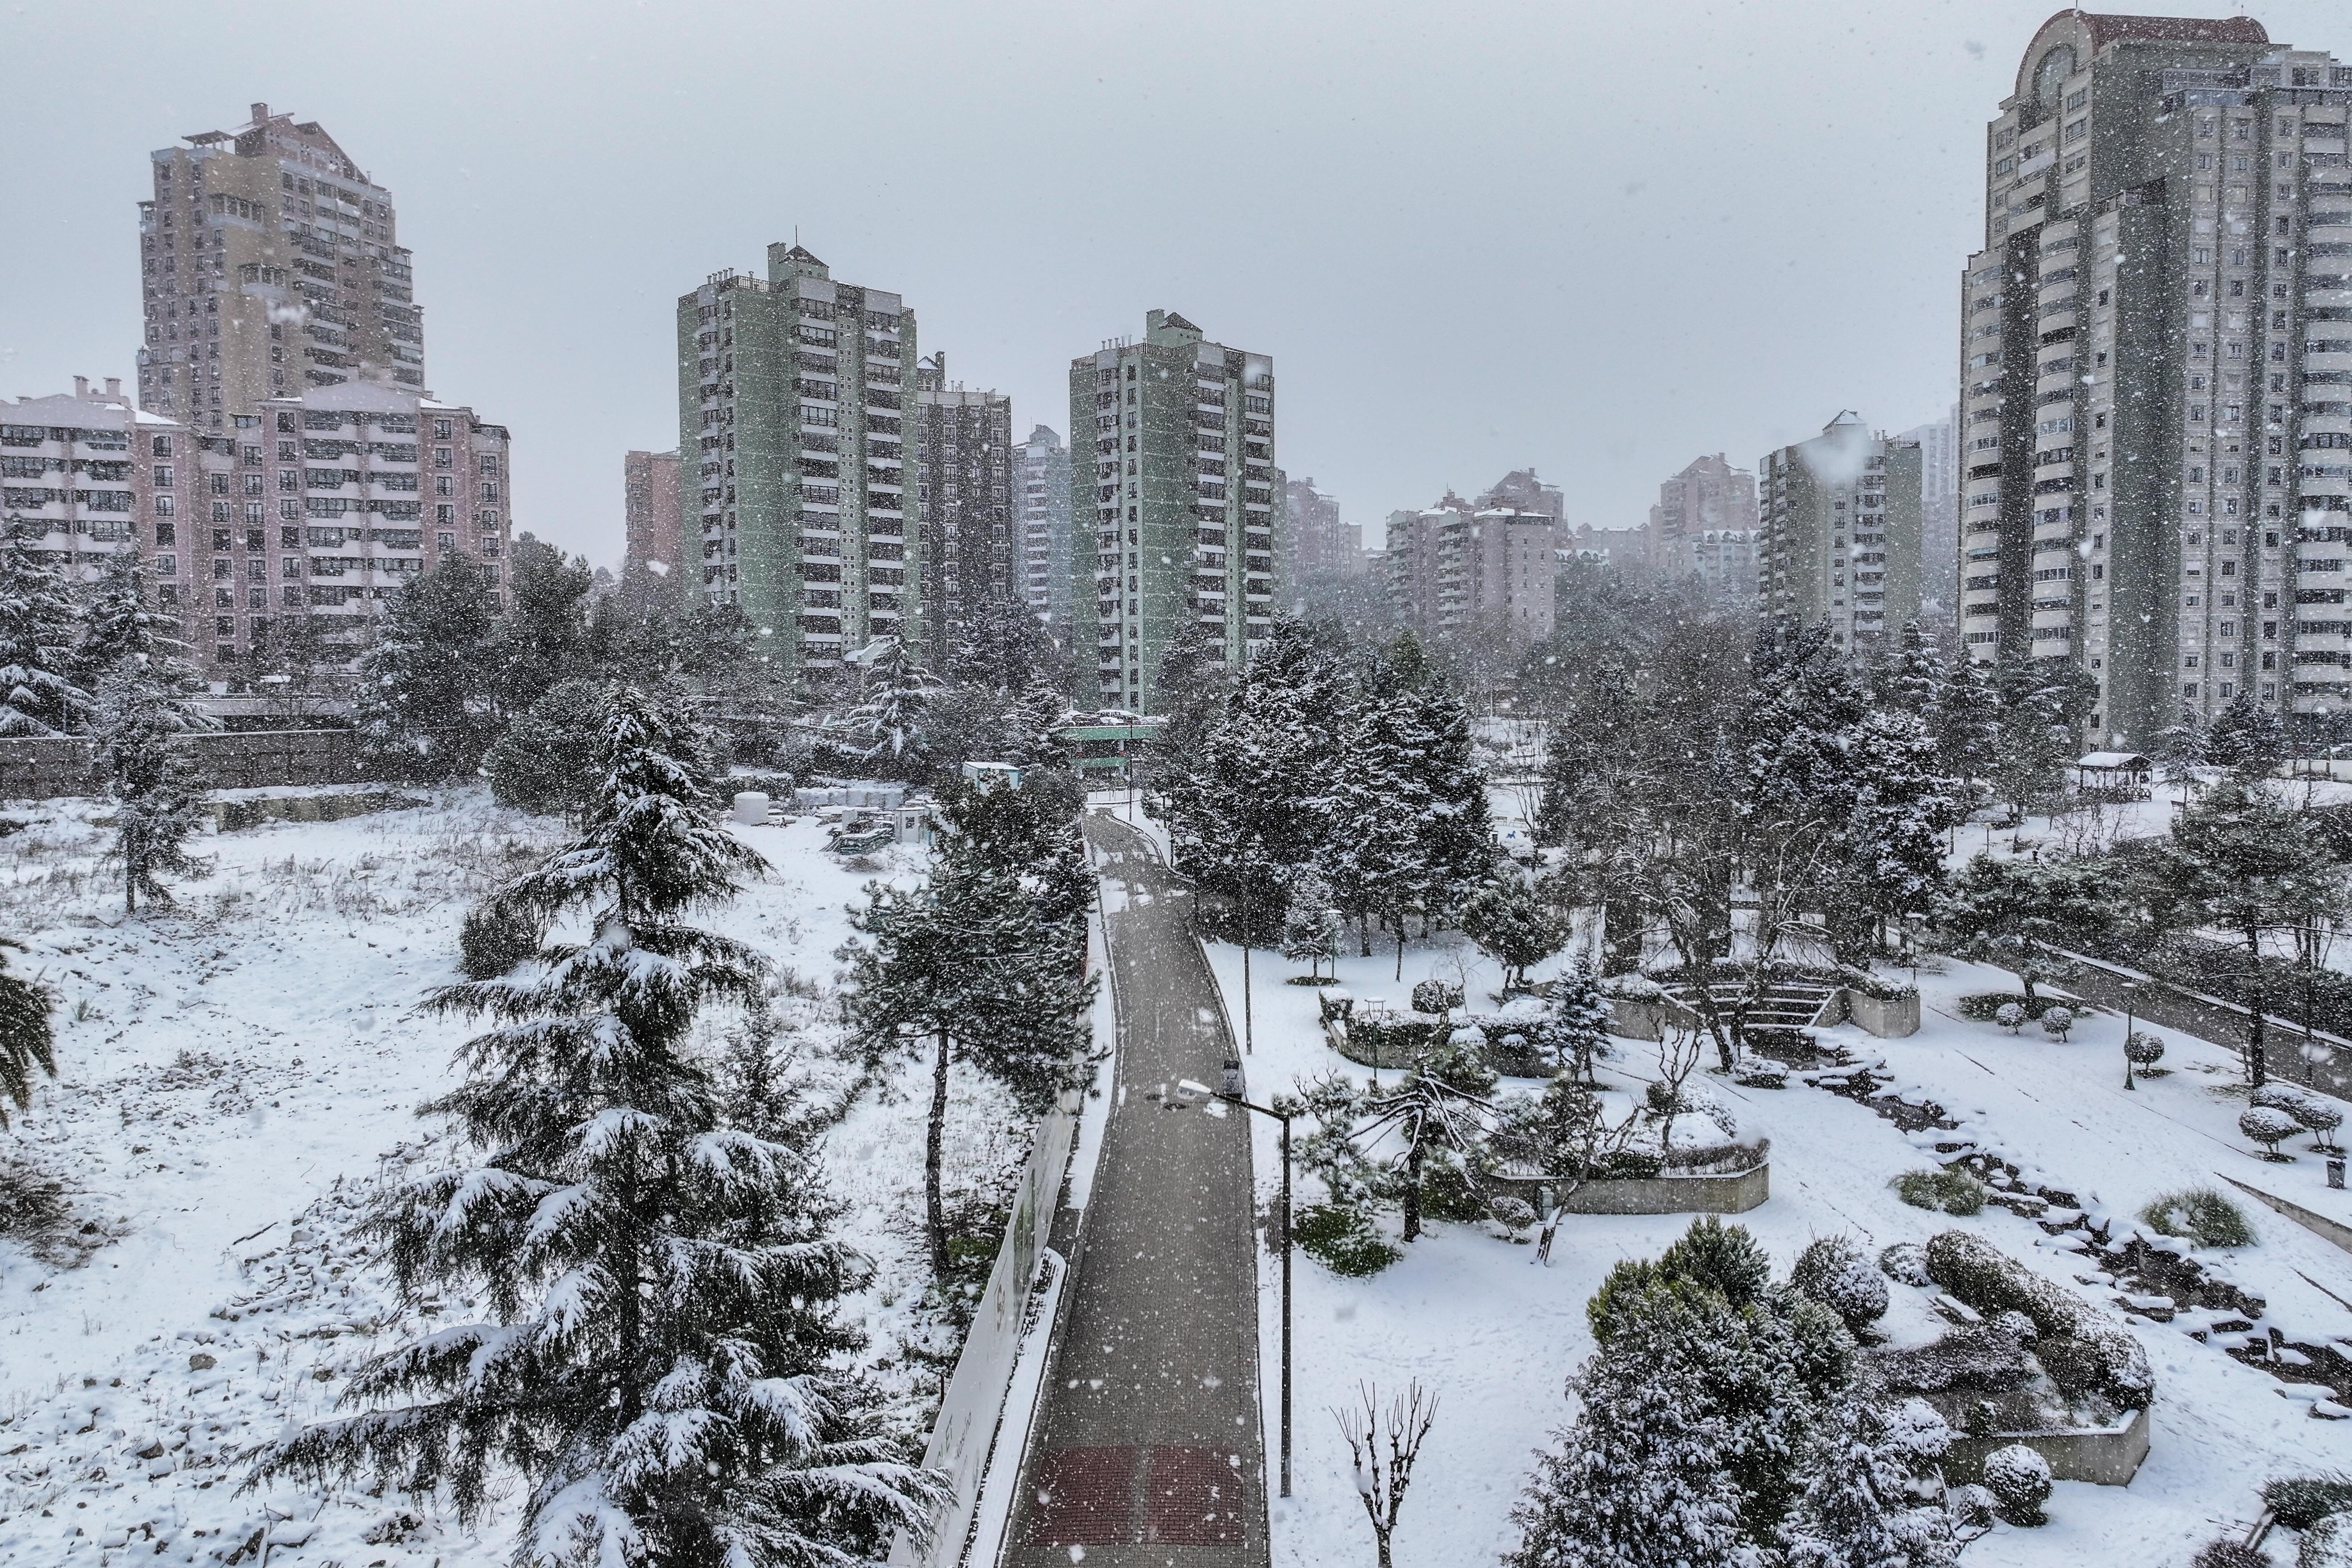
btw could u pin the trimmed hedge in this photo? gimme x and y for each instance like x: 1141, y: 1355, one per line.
x: 2084, y: 1351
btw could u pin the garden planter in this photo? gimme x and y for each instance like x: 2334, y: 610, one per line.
x: 1887, y: 1020
x: 1734, y: 1193
x: 2103, y: 1456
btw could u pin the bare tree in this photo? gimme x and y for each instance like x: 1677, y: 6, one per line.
x: 1385, y: 1444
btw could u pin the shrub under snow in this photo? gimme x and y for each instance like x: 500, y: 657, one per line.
x: 1835, y: 1272
x: 2019, y: 1479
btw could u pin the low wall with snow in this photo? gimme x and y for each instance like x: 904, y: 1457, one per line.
x: 2105, y: 1457
x: 1735, y: 1194
x: 44, y: 768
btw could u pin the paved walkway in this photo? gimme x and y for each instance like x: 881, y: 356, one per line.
x: 1150, y: 1449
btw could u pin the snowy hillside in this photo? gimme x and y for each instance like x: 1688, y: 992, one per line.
x: 238, y: 1077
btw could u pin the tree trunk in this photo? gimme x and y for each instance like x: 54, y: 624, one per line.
x: 935, y: 1224
x: 1399, y: 969
x: 2257, y: 1063
x: 1413, y: 1192
x: 1382, y: 1536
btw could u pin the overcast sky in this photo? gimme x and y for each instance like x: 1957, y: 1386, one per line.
x: 1600, y: 239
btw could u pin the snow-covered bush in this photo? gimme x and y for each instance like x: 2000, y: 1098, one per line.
x: 1513, y: 1214
x: 1906, y: 1263
x: 1975, y: 1359
x: 1343, y: 1239
x: 2277, y: 1095
x: 2016, y: 1325
x: 2057, y: 1021
x: 2301, y: 1501
x: 2085, y: 1352
x: 2229, y: 1551
x: 2202, y: 1215
x: 2322, y: 1117
x: 1760, y: 1072
x: 2143, y: 1049
x: 2019, y: 1479
x: 1953, y: 1191
x: 2009, y: 1015
x: 1435, y: 997
x: 2328, y: 1543
x: 1971, y: 1507
x: 2269, y: 1126
x: 1833, y: 1271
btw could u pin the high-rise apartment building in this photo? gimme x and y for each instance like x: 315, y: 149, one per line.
x: 1940, y: 511
x: 2156, y: 348
x: 963, y: 454
x: 1041, y: 497
x: 654, y: 557
x: 1458, y: 570
x: 1520, y: 490
x: 1840, y: 532
x: 1315, y: 540
x: 280, y: 538
x: 1182, y: 500
x: 269, y: 265
x: 792, y: 394
x: 1706, y: 515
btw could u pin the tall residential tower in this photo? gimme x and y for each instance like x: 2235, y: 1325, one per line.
x: 1041, y: 486
x: 2156, y: 347
x: 1839, y: 539
x: 963, y: 454
x: 269, y: 266
x: 1181, y: 501
x: 792, y: 397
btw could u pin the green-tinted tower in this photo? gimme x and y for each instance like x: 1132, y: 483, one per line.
x: 1177, y: 501
x: 792, y: 394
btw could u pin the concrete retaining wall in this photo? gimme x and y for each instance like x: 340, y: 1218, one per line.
x: 1734, y: 1193
x: 44, y: 769
x: 2107, y: 1456
x: 1887, y: 1020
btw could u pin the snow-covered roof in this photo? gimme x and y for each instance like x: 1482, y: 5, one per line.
x: 65, y: 411
x: 2112, y: 760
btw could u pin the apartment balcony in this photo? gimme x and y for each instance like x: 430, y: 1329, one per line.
x: 2314, y: 363
x: 2340, y: 297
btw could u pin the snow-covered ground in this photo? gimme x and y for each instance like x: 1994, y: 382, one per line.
x: 1494, y: 1335
x: 237, y: 1076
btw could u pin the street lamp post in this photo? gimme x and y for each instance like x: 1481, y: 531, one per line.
x: 2131, y: 999
x: 1233, y: 1092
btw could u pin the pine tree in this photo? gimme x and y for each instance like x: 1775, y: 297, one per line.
x: 1310, y: 927
x: 1513, y: 924
x: 1458, y: 844
x: 658, y: 1366
x: 1373, y: 811
x: 156, y: 793
x: 27, y: 1041
x: 1893, y: 848
x: 1579, y: 1018
x: 1908, y: 679
x: 38, y: 619
x: 117, y: 628
x: 889, y: 722
x: 1858, y: 1511
x: 2043, y: 703
x: 2246, y: 737
x: 1967, y: 724
x: 542, y: 638
x: 427, y: 689
x: 967, y: 968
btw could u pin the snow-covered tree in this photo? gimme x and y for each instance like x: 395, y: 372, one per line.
x: 1579, y: 1018
x: 967, y: 967
x: 427, y: 689
x: 1967, y: 724
x: 1311, y: 926
x: 2044, y: 703
x: 27, y: 1041
x: 2246, y: 737
x: 1513, y: 924
x: 37, y: 628
x: 1907, y: 678
x: 118, y: 627
x: 657, y: 1362
x: 1372, y: 813
x: 889, y: 723
x: 156, y: 793
x: 2014, y: 913
x: 1861, y: 1507
x: 542, y: 638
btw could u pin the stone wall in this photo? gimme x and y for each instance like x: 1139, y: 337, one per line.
x: 33, y: 768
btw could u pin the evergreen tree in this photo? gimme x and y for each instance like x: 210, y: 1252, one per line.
x: 658, y: 1366
x: 1579, y: 1018
x: 156, y: 793
x: 2247, y: 738
x: 1457, y: 845
x: 1372, y: 813
x: 1895, y: 834
x: 37, y: 618
x: 889, y: 723
x: 427, y: 689
x: 542, y: 638
x: 550, y: 759
x: 999, y: 644
x: 2015, y: 914
x: 27, y: 1041
x: 1908, y: 679
x: 1513, y: 924
x: 1310, y: 927
x: 967, y: 968
x: 2044, y: 704
x: 1967, y: 725
x: 119, y: 628
x: 1858, y: 1510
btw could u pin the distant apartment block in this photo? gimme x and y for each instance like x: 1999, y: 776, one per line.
x: 2155, y: 350
x: 292, y: 530
x: 269, y: 264
x: 1041, y: 478
x: 963, y: 453
x: 1458, y: 570
x: 1940, y: 511
x: 1521, y: 490
x: 1841, y: 532
x: 1317, y: 540
x: 655, y: 521
x: 1181, y: 499
x: 1708, y: 499
x: 793, y: 397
